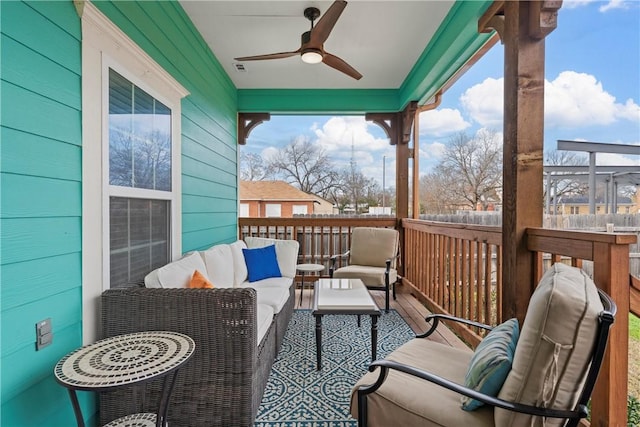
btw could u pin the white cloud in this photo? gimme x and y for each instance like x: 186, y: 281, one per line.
x: 614, y: 4
x: 572, y: 4
x: 433, y: 151
x: 442, y: 122
x: 338, y: 134
x: 613, y: 159
x: 484, y: 102
x: 571, y: 100
x: 269, y: 153
x: 578, y: 99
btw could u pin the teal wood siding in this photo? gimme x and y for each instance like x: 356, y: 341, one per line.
x: 41, y: 179
x: 41, y: 206
x: 209, y: 116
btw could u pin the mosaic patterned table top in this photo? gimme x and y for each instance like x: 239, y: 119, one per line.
x: 124, y: 359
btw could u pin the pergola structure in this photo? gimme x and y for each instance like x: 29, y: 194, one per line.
x: 613, y: 175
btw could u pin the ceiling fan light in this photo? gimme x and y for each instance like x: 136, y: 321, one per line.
x: 311, y: 57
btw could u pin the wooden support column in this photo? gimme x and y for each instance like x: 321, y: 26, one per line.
x: 609, y: 398
x: 398, y: 128
x: 522, y: 27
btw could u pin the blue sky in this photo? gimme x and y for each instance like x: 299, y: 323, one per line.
x: 592, y: 93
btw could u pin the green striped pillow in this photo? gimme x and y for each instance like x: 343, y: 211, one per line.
x: 491, y: 362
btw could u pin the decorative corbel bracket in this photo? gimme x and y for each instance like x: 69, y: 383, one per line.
x: 246, y: 123
x: 493, y: 19
x: 397, y: 126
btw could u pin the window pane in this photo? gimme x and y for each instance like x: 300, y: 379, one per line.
x: 139, y: 238
x: 139, y: 137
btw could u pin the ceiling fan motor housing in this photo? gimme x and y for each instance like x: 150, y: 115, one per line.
x: 312, y: 13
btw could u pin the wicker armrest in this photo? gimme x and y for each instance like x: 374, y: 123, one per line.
x: 222, y: 322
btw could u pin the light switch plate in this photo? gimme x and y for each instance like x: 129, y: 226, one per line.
x: 44, y: 334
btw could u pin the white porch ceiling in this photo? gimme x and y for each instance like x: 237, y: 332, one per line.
x: 380, y: 39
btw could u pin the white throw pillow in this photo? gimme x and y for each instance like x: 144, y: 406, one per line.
x: 286, y: 252
x: 239, y: 266
x: 178, y: 274
x: 219, y: 262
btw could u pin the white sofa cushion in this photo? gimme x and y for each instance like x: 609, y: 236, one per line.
x: 220, y: 265
x: 286, y: 252
x: 276, y: 298
x: 177, y: 274
x: 271, y: 282
x: 264, y: 315
x: 239, y: 267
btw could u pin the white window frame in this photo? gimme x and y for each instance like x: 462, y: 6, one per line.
x: 244, y: 210
x: 105, y: 46
x: 299, y: 209
x: 269, y: 206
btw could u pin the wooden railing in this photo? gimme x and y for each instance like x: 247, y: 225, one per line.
x: 609, y: 258
x: 456, y: 269
x: 319, y: 238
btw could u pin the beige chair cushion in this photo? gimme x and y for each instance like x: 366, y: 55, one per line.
x: 373, y: 246
x: 370, y: 276
x: 404, y: 400
x: 554, y: 349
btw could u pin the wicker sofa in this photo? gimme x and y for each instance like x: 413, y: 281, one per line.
x: 238, y: 327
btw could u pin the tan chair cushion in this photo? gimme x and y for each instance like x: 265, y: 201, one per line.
x: 554, y: 349
x: 404, y: 400
x: 373, y: 246
x: 370, y: 276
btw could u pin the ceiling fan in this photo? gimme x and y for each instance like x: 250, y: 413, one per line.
x: 311, y: 47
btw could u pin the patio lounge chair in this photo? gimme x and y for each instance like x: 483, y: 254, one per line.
x: 372, y: 259
x: 554, y: 366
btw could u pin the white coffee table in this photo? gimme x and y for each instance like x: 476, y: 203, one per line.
x: 343, y: 296
x: 307, y: 268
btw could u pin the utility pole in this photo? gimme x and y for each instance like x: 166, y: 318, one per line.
x: 384, y: 176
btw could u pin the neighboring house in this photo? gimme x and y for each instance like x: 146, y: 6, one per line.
x: 579, y: 205
x: 277, y: 199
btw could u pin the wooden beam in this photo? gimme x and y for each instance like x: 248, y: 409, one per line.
x: 543, y: 17
x: 246, y: 123
x: 523, y: 154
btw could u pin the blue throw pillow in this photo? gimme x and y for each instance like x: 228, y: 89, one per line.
x: 262, y: 263
x: 491, y: 362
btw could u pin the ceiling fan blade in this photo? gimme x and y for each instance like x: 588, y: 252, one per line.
x: 340, y: 65
x: 268, y: 56
x: 322, y: 29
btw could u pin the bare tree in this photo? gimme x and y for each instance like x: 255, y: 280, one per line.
x: 305, y: 165
x: 560, y: 186
x: 470, y: 173
x: 253, y: 168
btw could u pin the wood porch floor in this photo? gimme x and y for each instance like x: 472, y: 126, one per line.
x: 411, y: 310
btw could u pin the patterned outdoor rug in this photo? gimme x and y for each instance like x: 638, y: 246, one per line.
x: 297, y: 395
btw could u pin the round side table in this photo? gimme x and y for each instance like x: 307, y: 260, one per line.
x: 124, y: 360
x: 307, y: 268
